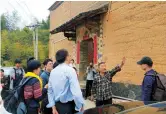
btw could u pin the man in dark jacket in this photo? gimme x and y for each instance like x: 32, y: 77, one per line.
x: 5, y: 83
x: 148, y: 83
x: 48, y: 66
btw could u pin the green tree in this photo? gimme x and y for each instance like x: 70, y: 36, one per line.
x: 3, y: 22
x: 45, y: 24
x: 18, y: 43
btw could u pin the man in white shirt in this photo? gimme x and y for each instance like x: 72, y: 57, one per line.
x: 64, y: 93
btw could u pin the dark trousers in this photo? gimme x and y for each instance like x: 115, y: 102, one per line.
x: 104, y: 102
x: 44, y: 109
x: 47, y: 111
x: 88, y: 88
x: 66, y: 108
x: 32, y: 111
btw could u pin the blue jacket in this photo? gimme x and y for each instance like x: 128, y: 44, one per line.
x: 45, y: 77
x: 147, y: 87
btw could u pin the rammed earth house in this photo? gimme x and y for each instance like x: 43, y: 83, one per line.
x: 107, y: 31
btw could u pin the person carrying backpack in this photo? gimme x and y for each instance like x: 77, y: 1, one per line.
x: 154, y: 84
x: 18, y: 74
x: 48, y: 66
x: 25, y: 98
x: 34, y: 91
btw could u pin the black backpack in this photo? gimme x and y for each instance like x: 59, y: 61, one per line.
x: 159, y: 90
x: 14, y: 101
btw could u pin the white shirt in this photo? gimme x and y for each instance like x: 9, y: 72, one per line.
x: 90, y: 75
x: 63, y: 86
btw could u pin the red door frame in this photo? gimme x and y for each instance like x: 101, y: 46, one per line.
x: 94, y: 50
x: 78, y: 52
x: 90, y: 50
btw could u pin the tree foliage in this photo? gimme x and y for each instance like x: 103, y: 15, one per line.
x: 18, y: 43
x: 3, y: 22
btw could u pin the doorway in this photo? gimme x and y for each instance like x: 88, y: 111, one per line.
x: 86, y: 55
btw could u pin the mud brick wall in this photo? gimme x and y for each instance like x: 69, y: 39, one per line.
x: 131, y: 29
x: 65, y: 12
x: 56, y: 44
x: 134, y: 30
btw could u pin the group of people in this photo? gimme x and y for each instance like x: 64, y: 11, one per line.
x: 53, y: 90
x: 98, y: 84
x: 56, y: 90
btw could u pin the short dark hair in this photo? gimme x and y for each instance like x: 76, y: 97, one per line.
x: 2, y: 70
x: 101, y: 63
x: 33, y: 65
x: 75, y: 69
x: 55, y: 64
x: 46, y: 61
x: 30, y: 58
x: 18, y: 60
x: 61, y: 55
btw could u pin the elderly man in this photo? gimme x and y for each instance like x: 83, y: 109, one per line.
x: 102, y: 84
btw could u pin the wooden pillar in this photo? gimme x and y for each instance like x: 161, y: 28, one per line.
x: 78, y: 52
x: 95, y: 50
